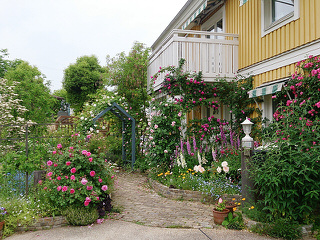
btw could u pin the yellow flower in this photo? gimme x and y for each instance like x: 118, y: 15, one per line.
x: 239, y: 204
x: 183, y: 177
x: 234, y: 209
x: 193, y: 173
x: 252, y: 207
x: 233, y: 199
x: 243, y: 199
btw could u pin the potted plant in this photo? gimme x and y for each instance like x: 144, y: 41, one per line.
x: 220, y: 212
x: 3, y: 215
x: 231, y: 205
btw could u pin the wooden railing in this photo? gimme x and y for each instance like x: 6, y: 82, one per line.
x: 215, y: 54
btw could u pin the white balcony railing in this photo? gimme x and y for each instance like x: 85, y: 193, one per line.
x: 215, y: 54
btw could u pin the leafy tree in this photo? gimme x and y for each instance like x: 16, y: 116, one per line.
x: 6, y: 64
x: 32, y: 90
x: 129, y: 75
x: 81, y: 79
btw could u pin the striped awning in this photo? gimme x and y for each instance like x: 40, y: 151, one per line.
x: 194, y: 15
x: 266, y: 89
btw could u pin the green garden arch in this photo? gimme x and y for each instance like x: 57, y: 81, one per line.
x: 125, y: 118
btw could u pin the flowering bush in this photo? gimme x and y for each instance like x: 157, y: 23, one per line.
x: 288, y: 180
x: 76, y: 177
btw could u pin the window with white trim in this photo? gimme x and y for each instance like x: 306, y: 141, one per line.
x: 277, y: 13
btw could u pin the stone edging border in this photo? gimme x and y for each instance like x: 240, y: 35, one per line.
x: 44, y: 223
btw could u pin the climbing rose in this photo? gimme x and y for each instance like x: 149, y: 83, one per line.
x: 72, y: 191
x: 59, y: 146
x: 49, y: 174
x: 92, y: 173
x: 59, y: 188
x: 49, y: 163
x: 100, y: 180
x: 73, y: 170
x: 89, y: 188
x: 64, y: 189
x: 58, y: 178
x: 68, y: 163
x: 86, y: 203
x: 90, y: 159
x: 104, y: 188
x: 88, y: 199
x: 73, y: 177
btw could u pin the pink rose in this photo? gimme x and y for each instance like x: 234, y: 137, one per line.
x: 64, y: 189
x: 112, y: 177
x: 55, y: 165
x: 73, y: 177
x: 49, y: 174
x: 84, y: 152
x: 73, y: 170
x: 89, y: 188
x: 104, y: 188
x: 92, y: 173
x: 54, y: 152
x: 68, y: 163
x: 86, y: 203
x: 90, y: 159
x: 71, y: 148
x: 84, y: 181
x: 88, y: 199
x: 66, y: 177
x: 72, y: 191
x: 100, y: 180
x: 49, y: 163
x: 98, y: 198
x: 88, y: 154
x: 59, y: 146
x: 59, y: 188
x: 58, y: 178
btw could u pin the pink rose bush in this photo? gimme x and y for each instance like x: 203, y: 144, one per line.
x: 76, y: 176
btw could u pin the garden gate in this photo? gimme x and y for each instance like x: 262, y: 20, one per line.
x: 125, y: 118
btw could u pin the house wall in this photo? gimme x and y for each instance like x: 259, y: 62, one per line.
x: 254, y: 48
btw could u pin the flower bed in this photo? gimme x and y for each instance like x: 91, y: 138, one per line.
x: 189, y: 195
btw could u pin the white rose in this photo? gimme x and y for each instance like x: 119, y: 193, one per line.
x: 226, y: 169
x: 219, y: 169
x: 224, y: 164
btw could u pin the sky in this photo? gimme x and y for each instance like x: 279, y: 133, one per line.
x: 52, y: 34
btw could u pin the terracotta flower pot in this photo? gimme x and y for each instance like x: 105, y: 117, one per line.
x: 219, y: 216
x: 230, y: 207
x: 1, y: 229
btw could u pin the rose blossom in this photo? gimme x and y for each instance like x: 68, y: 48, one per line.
x: 68, y: 163
x: 92, y: 173
x: 64, y: 189
x: 86, y: 203
x: 104, y: 188
x: 84, y: 152
x: 100, y: 180
x: 49, y: 163
x: 54, y: 152
x: 49, y: 174
x: 88, y: 154
x: 73, y: 170
x: 226, y: 169
x: 58, y: 178
x: 84, y: 181
x: 59, y: 188
x: 72, y: 191
x: 88, y: 199
x: 59, y: 146
x: 55, y: 165
x: 90, y: 159
x: 89, y: 188
x: 73, y: 177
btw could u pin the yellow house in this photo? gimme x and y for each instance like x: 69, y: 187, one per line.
x: 225, y: 38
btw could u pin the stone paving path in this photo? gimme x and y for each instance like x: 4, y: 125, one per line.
x: 144, y: 206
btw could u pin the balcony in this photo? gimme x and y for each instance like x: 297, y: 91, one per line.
x: 215, y: 54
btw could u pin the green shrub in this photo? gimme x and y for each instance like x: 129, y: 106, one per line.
x: 281, y: 228
x: 81, y: 216
x: 232, y: 222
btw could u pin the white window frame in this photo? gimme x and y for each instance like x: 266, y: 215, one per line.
x: 267, y: 26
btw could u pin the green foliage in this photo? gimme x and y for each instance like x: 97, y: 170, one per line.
x: 81, y: 216
x: 281, y: 228
x: 288, y: 180
x: 20, y: 213
x: 81, y: 79
x: 232, y: 222
x: 5, y: 64
x: 33, y: 91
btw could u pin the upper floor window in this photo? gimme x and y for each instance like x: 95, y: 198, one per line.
x: 277, y: 13
x: 281, y: 8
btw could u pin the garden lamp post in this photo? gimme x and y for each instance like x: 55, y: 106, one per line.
x: 247, y: 141
x: 247, y: 146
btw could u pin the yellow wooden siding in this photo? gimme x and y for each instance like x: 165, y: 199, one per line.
x: 246, y: 21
